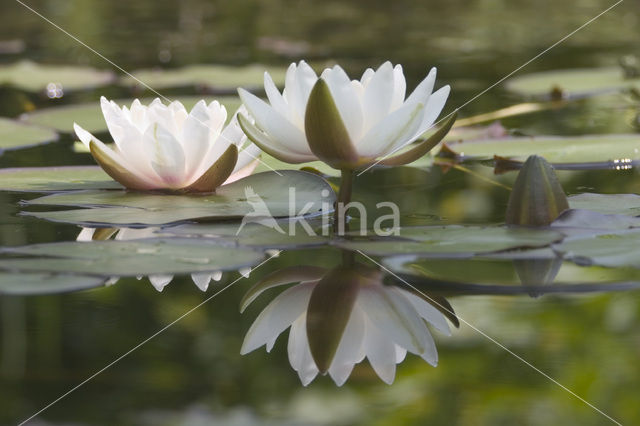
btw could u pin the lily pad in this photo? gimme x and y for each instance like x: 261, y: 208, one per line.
x: 490, y: 276
x: 218, y: 77
x: 611, y: 150
x: 32, y: 77
x: 155, y: 256
x: 614, y: 250
x: 15, y: 135
x: 89, y: 115
x: 38, y: 283
x: 54, y: 179
x: 572, y: 82
x: 290, y: 233
x: 454, y: 241
x: 260, y: 197
x: 625, y: 204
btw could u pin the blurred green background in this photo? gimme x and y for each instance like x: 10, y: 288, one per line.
x: 192, y: 374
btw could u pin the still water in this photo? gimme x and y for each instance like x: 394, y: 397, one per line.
x: 581, y: 333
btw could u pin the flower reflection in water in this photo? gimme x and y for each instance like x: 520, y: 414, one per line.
x: 159, y: 282
x: 340, y: 316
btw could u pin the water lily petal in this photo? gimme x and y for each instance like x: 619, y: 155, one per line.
x: 422, y: 92
x: 346, y: 100
x: 269, y: 146
x: 434, y: 106
x: 399, y: 88
x: 378, y: 95
x: 381, y: 352
x: 167, y: 155
x: 275, y: 97
x: 278, y: 127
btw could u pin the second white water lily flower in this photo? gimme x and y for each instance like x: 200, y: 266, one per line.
x: 165, y: 147
x: 349, y: 124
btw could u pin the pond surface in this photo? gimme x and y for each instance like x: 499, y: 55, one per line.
x: 504, y: 330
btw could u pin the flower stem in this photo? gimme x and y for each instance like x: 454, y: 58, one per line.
x: 344, y: 196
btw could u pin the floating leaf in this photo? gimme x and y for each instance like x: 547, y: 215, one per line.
x: 37, y: 283
x: 89, y: 115
x: 455, y: 241
x: 219, y: 77
x: 15, y: 135
x: 481, y: 275
x: 53, y: 179
x: 155, y: 256
x: 268, y: 195
x: 572, y: 82
x: 34, y: 77
x: 290, y: 233
x: 612, y: 250
x: 626, y: 204
x: 609, y: 150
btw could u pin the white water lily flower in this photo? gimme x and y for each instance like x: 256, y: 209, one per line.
x: 159, y: 282
x: 165, y: 147
x: 381, y: 323
x: 346, y: 123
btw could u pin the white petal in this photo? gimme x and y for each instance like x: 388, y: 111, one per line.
x: 350, y: 349
x: 216, y: 276
x: 298, y: 90
x: 275, y: 97
x: 277, y: 316
x: 167, y: 156
x: 378, y: 95
x: 279, y: 129
x: 347, y: 101
x: 396, y: 129
x: 399, y: 87
x: 422, y: 92
x: 434, y: 106
x: 159, y: 282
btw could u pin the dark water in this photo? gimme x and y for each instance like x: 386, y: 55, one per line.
x: 192, y: 373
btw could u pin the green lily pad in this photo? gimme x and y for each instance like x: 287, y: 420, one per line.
x: 572, y: 82
x: 625, y: 204
x: 454, y: 241
x: 268, y: 194
x: 291, y: 233
x: 218, y: 77
x: 54, y: 179
x: 482, y: 275
x: 32, y: 77
x: 15, y: 135
x: 613, y: 150
x: 613, y: 250
x: 154, y: 256
x: 89, y: 115
x: 37, y: 283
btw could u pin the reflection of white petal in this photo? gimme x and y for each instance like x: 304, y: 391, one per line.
x: 299, y: 353
x: 216, y: 276
x: 277, y: 316
x: 427, y: 311
x: 245, y: 272
x: 350, y: 350
x: 160, y: 281
x: 394, y: 316
x: 86, y: 234
x: 381, y: 352
x: 201, y: 280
